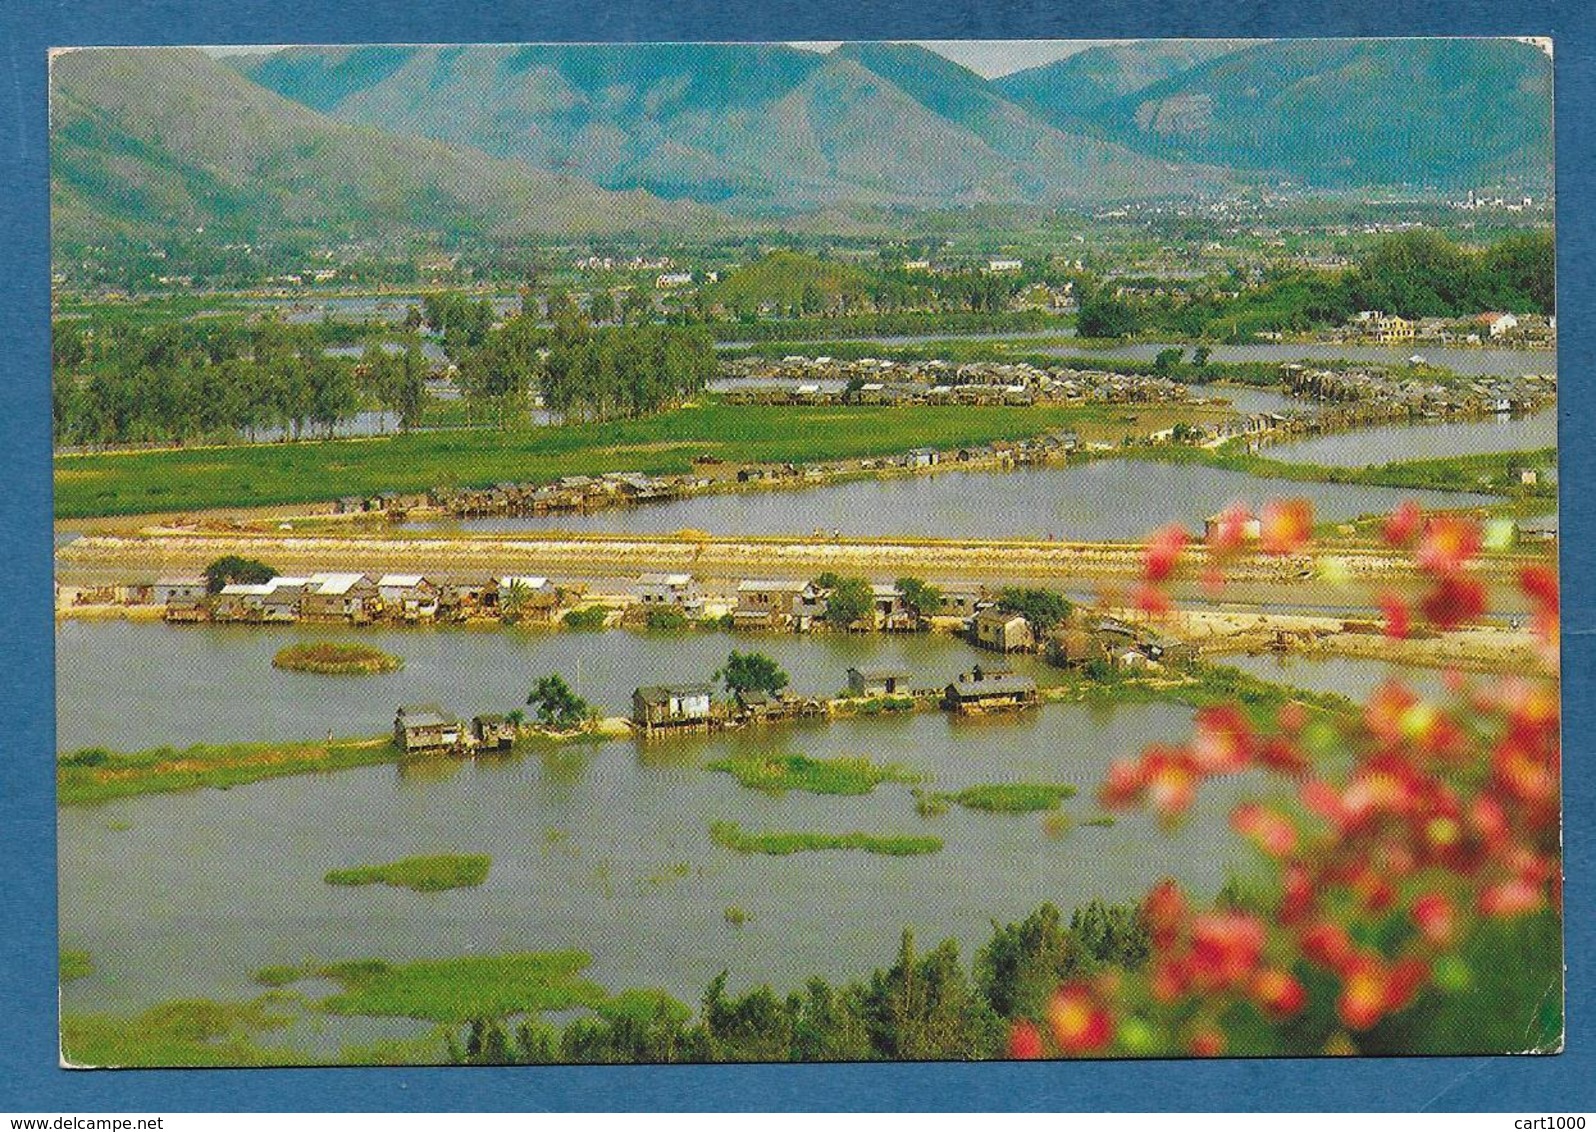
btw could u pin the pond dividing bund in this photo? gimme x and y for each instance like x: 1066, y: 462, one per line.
x: 1109, y: 500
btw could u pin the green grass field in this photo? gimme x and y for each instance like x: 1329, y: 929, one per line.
x: 133, y: 483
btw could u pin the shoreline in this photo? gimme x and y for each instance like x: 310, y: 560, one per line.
x: 1215, y: 632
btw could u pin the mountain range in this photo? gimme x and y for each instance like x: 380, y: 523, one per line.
x: 582, y: 139
x: 150, y: 142
x: 1326, y: 113
x: 753, y: 128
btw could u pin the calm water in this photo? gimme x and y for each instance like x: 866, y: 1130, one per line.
x: 386, y: 308
x: 1387, y: 443
x: 1100, y: 500
x: 602, y: 847
x: 1250, y: 398
x: 1346, y: 676
x: 367, y: 422
x: 216, y: 683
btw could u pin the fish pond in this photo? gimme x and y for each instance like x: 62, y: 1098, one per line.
x: 1101, y: 500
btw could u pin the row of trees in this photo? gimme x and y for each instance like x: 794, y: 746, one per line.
x: 182, y: 403
x: 585, y: 373
x: 924, y: 1006
x: 216, y: 380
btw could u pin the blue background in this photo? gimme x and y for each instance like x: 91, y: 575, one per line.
x: 29, y: 1079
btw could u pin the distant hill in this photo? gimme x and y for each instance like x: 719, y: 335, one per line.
x: 785, y: 279
x: 1339, y: 113
x: 558, y: 140
x: 1042, y: 156
x: 753, y: 127
x: 148, y: 142
x: 1064, y: 91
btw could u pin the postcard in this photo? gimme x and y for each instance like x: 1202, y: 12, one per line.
x: 767, y: 552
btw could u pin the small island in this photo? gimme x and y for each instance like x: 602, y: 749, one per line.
x: 436, y: 873
x: 333, y: 659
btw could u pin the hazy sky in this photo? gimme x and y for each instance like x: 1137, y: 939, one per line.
x: 996, y: 56
x: 985, y: 57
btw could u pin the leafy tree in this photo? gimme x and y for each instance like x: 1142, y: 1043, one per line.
x: 502, y: 372
x: 601, y: 307
x: 1520, y: 273
x: 752, y: 672
x: 636, y: 305
x: 486, y: 1044
x: 1168, y: 361
x: 555, y: 703
x: 1042, y: 608
x: 755, y: 1027
x: 828, y: 1023
x: 463, y: 324
x: 232, y: 568
x: 587, y: 618
x: 405, y: 391
x: 536, y: 1044
x: 925, y: 1009
x: 514, y: 600
x: 850, y: 600
x: 1103, y: 316
x: 1114, y: 935
x: 1021, y: 965
x: 664, y: 619
x: 919, y: 595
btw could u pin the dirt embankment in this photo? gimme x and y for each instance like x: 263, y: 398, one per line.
x: 1484, y: 648
x: 167, y: 549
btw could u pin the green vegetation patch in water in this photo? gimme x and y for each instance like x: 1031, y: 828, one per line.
x: 457, y: 989
x: 419, y: 874
x: 185, y: 1033
x: 1014, y: 797
x: 777, y: 774
x: 332, y: 658
x: 97, y: 775
x: 730, y: 835
x: 75, y: 964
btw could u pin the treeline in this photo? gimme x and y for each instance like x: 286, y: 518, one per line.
x: 789, y: 286
x: 584, y: 372
x: 1417, y: 274
x: 924, y: 1007
x: 217, y: 380
x: 907, y: 322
